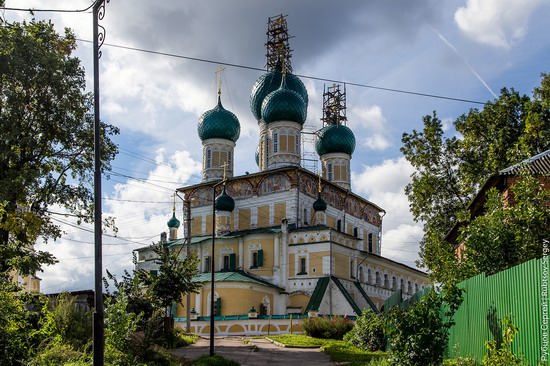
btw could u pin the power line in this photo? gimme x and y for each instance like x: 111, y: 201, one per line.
x: 228, y: 64
x: 31, y: 10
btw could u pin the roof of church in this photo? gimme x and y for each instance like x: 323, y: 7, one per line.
x: 237, y: 276
x: 268, y: 83
x: 335, y: 138
x: 219, y: 123
x: 284, y: 104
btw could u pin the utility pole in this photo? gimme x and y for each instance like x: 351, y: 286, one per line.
x: 98, y: 317
x: 187, y: 204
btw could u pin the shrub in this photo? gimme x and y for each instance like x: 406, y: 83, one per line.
x: 418, y: 336
x: 368, y: 332
x: 216, y: 360
x: 59, y: 354
x: 62, y: 321
x: 327, y: 328
x: 501, y: 354
x: 461, y: 361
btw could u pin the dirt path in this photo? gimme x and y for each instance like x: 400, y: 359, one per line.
x: 257, y: 352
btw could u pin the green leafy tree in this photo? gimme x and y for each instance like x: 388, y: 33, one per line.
x: 502, y: 355
x: 418, y: 336
x: 450, y: 170
x: 508, y: 234
x: 368, y: 332
x: 46, y: 150
x: 173, y: 278
x: 14, y: 326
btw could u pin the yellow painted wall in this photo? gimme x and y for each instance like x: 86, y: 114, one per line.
x: 208, y: 224
x: 331, y: 222
x: 292, y: 265
x: 316, y: 260
x: 279, y: 212
x: 341, y: 266
x: 267, y: 244
x: 263, y: 216
x: 196, y: 225
x: 299, y: 300
x: 235, y: 301
x: 244, y: 218
x: 180, y: 309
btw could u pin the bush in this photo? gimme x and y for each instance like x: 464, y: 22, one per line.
x: 501, y: 354
x: 216, y: 360
x: 59, y: 354
x: 418, y: 336
x: 461, y: 361
x: 368, y: 332
x: 327, y: 328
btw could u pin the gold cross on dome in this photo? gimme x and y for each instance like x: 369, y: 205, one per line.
x: 224, y: 165
x: 174, y: 207
x: 219, y: 73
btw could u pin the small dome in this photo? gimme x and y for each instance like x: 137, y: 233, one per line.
x: 335, y: 139
x: 284, y: 104
x: 257, y: 156
x: 219, y: 123
x: 173, y: 223
x: 224, y: 202
x: 319, y: 204
x: 268, y: 83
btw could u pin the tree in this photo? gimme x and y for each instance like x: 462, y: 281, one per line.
x: 508, y: 234
x: 450, y: 170
x: 418, y: 336
x: 173, y: 278
x: 46, y: 150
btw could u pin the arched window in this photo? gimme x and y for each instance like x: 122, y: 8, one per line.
x: 394, y: 283
x: 386, y: 281
x: 377, y: 278
x: 361, y: 276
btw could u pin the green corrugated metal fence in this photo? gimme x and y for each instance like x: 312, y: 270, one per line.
x: 516, y: 292
x: 520, y: 292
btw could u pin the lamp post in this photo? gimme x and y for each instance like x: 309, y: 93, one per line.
x: 187, y: 220
x: 212, y: 301
x: 98, y: 317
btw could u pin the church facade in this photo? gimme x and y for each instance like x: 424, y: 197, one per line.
x: 286, y: 240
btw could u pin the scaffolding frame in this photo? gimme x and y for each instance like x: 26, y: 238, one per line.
x: 277, y: 45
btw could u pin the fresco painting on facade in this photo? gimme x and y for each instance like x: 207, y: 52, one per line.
x: 283, y: 247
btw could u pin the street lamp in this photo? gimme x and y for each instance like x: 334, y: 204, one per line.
x: 212, y: 301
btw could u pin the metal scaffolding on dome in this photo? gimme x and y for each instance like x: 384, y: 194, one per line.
x: 334, y: 105
x: 277, y: 46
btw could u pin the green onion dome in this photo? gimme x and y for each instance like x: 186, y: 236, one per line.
x: 224, y: 202
x: 284, y: 104
x: 335, y: 139
x: 173, y: 223
x: 219, y: 123
x: 319, y: 204
x: 268, y: 83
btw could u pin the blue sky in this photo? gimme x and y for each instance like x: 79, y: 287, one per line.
x: 466, y: 49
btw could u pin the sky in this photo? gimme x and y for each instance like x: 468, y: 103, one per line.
x: 463, y: 49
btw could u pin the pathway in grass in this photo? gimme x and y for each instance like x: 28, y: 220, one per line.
x: 256, y: 352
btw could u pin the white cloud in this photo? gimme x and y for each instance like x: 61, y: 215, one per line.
x: 498, y: 23
x: 384, y: 185
x: 370, y: 127
x: 141, y: 210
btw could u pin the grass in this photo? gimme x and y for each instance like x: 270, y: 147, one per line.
x: 339, y: 351
x: 299, y: 340
x: 216, y: 360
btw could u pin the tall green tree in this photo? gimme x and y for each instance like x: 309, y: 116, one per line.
x: 450, y: 170
x: 508, y: 234
x: 46, y: 149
